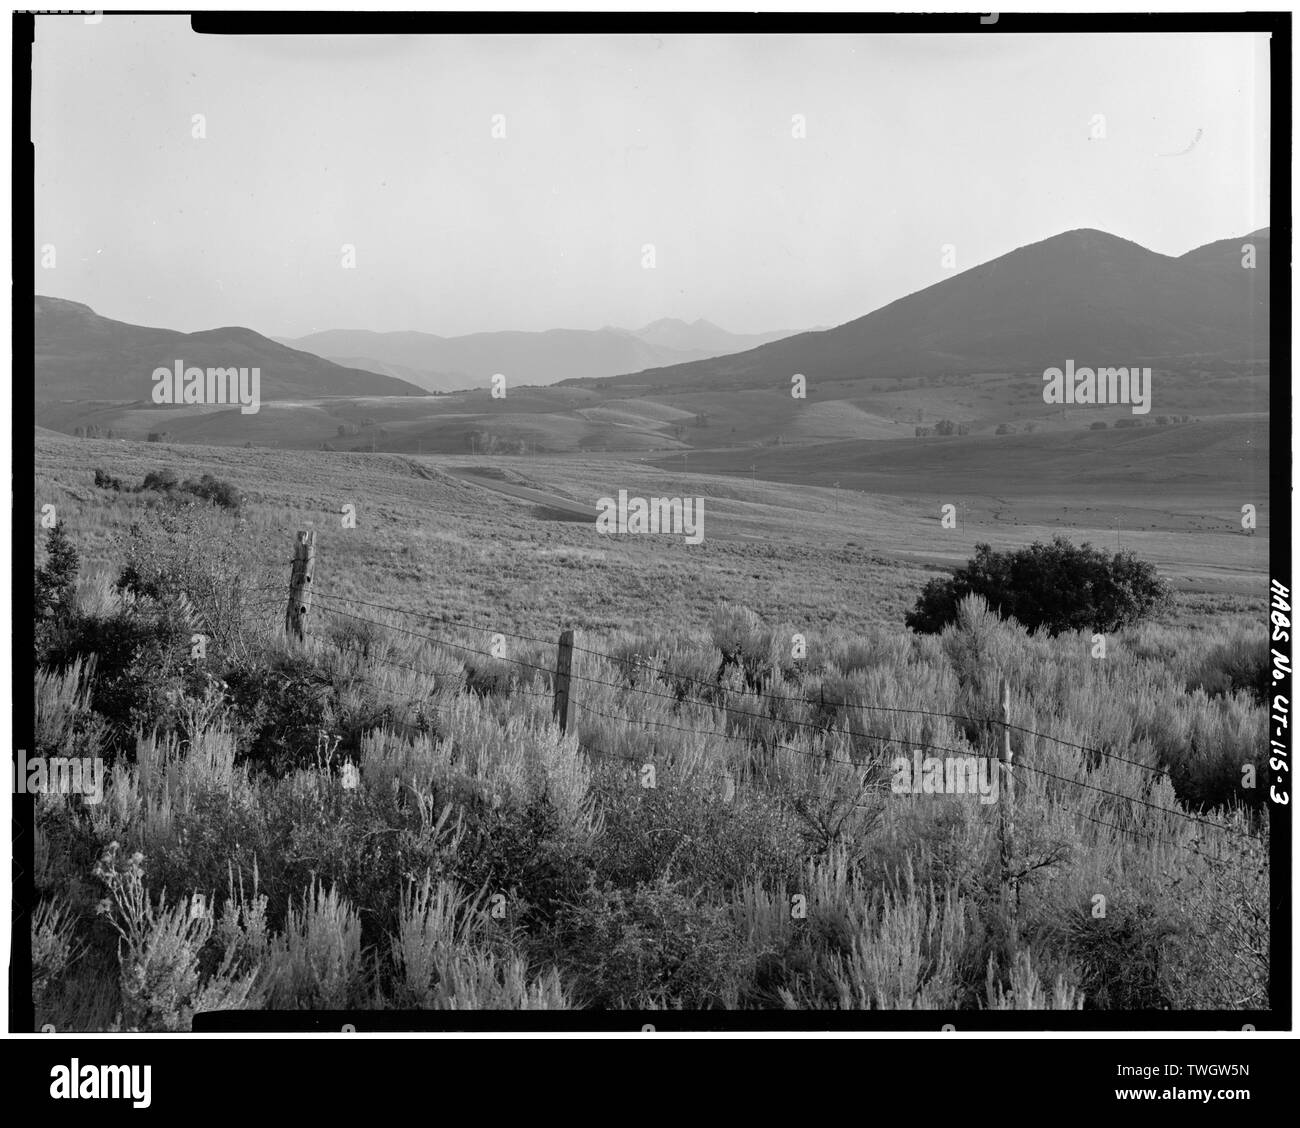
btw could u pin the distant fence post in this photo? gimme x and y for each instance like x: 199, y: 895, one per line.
x: 1010, y: 885
x: 563, y: 692
x: 304, y: 567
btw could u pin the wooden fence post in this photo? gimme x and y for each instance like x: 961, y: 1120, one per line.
x: 304, y: 568
x: 1007, y: 790
x: 563, y: 692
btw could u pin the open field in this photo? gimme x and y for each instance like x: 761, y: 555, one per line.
x: 797, y: 551
x: 369, y: 794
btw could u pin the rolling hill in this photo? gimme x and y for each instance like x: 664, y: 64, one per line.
x: 970, y: 349
x: 83, y: 358
x: 1085, y: 295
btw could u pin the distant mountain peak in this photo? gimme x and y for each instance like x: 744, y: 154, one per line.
x: 1087, y: 240
x: 1032, y: 307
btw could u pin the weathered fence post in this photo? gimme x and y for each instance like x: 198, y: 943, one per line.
x: 563, y: 692
x: 1007, y: 789
x: 304, y: 568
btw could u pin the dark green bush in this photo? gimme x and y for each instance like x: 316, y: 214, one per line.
x: 143, y: 671
x: 522, y: 851
x: 654, y: 947
x: 1052, y: 587
x: 215, y: 490
x: 163, y: 480
x: 56, y: 581
x: 207, y: 487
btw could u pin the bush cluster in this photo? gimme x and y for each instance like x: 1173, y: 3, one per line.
x: 1052, y: 587
x: 206, y: 487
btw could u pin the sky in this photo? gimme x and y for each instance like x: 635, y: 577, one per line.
x: 920, y: 155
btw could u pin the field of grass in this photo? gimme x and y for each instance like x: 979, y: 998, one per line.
x: 386, y: 814
x: 589, y: 417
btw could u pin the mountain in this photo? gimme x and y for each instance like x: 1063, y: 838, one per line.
x: 1225, y: 259
x: 83, y: 358
x: 1082, y: 295
x: 445, y: 363
x: 701, y: 336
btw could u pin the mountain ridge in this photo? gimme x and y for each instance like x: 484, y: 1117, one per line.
x: 527, y: 357
x: 83, y: 356
x: 1080, y: 292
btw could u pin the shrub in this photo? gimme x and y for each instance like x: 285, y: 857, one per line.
x: 65, y: 723
x: 654, y: 948
x: 107, y: 481
x: 1100, y: 425
x: 1053, y: 587
x: 164, y: 480
x: 142, y: 668
x: 53, y: 943
x: 285, y: 704
x: 185, y: 572
x: 1242, y: 663
x: 317, y: 962
x: 159, y: 950
x: 201, y: 559
x: 215, y: 490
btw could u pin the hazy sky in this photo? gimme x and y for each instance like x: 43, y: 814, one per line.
x: 683, y: 142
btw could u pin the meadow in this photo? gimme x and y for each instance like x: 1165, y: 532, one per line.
x: 386, y: 815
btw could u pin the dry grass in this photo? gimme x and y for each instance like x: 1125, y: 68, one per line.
x: 717, y: 830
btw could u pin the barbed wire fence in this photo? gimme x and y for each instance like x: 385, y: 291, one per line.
x: 291, y: 611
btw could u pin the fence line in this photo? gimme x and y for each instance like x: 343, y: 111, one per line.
x: 300, y: 597
x: 732, y: 709
x: 663, y: 672
x: 777, y: 720
x: 1138, y: 833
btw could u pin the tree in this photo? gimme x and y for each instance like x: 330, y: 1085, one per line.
x: 56, y: 579
x: 1054, y: 587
